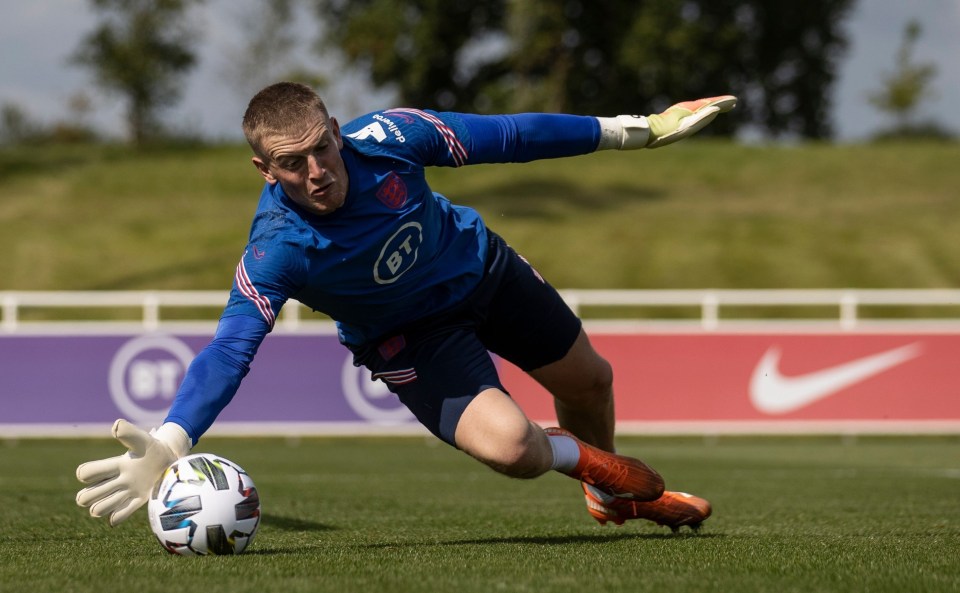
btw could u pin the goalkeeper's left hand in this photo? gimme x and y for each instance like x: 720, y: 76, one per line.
x: 626, y: 132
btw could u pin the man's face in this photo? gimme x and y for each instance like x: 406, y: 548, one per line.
x: 307, y: 165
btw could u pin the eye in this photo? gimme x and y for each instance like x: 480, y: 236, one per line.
x: 291, y: 163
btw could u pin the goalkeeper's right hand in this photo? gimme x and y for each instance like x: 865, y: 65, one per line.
x: 121, y: 485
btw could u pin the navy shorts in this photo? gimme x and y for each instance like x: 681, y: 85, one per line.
x: 437, y: 366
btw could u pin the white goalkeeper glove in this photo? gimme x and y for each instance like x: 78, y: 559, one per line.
x: 122, y: 484
x: 627, y: 132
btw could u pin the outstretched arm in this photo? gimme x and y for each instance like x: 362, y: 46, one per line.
x: 120, y: 485
x: 214, y: 376
x: 533, y: 136
x: 450, y: 139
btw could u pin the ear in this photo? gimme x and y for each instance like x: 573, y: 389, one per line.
x: 264, y: 170
x: 335, y: 128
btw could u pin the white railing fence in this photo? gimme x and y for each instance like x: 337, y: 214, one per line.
x: 846, y: 304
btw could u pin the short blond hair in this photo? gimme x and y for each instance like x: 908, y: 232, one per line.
x: 278, y: 109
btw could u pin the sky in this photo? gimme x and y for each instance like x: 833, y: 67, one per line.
x: 38, y: 36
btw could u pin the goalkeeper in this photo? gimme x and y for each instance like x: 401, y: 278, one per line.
x: 421, y: 290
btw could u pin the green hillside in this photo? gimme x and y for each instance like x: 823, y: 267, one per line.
x: 694, y: 215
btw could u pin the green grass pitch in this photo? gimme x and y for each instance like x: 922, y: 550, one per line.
x: 410, y: 514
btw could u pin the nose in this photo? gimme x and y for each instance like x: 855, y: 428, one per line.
x: 314, y: 167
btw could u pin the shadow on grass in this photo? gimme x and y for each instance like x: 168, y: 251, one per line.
x: 294, y: 524
x: 553, y: 540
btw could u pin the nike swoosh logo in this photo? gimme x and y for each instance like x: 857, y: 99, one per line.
x: 773, y: 393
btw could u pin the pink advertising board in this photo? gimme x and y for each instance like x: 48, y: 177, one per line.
x: 754, y: 380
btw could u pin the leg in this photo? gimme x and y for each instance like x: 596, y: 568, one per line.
x: 494, y: 430
x: 445, y: 376
x: 528, y: 323
x: 582, y: 386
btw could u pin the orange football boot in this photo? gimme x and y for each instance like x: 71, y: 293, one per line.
x: 673, y: 510
x: 623, y: 477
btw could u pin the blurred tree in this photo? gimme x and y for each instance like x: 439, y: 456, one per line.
x: 16, y: 125
x: 541, y: 65
x: 779, y: 57
x: 268, y: 41
x: 76, y: 127
x: 908, y: 85
x: 270, y: 50
x: 603, y: 57
x: 141, y: 49
x: 787, y: 64
x: 427, y: 48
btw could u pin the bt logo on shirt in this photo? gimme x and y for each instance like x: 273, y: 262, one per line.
x: 399, y: 253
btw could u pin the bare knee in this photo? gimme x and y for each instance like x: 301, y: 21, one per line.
x: 494, y: 431
x: 514, y: 451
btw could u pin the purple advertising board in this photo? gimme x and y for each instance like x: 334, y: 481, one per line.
x: 66, y: 384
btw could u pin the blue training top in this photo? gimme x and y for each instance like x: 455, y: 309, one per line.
x: 393, y: 253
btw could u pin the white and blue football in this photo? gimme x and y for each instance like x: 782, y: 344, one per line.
x: 204, y: 504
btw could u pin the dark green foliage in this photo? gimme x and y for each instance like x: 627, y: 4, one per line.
x: 413, y: 44
x: 598, y: 57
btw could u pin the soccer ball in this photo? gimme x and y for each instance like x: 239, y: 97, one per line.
x: 204, y: 504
